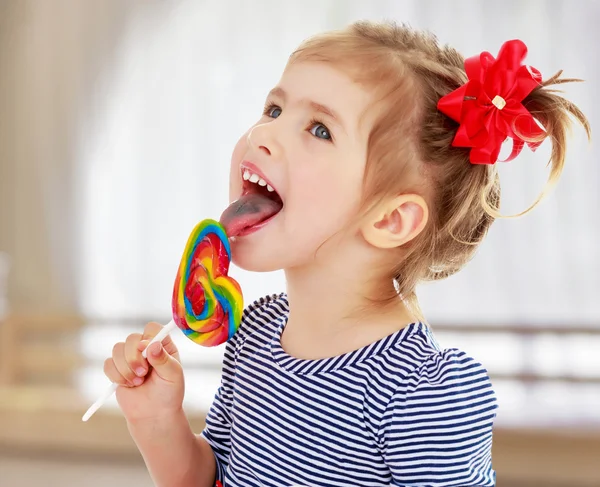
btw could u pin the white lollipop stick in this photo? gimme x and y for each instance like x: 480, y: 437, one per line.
x: 113, y: 387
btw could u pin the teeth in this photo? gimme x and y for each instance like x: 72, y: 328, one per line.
x: 255, y: 178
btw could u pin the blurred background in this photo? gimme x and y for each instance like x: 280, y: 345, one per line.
x: 117, y: 122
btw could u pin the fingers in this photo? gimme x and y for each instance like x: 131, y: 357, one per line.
x: 164, y: 364
x: 110, y: 370
x: 133, y: 356
x: 150, y: 331
x: 128, y: 367
x: 123, y: 366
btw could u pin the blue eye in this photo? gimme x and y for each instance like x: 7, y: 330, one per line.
x: 273, y: 111
x: 320, y: 131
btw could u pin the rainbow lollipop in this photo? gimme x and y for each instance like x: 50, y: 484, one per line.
x: 207, y: 304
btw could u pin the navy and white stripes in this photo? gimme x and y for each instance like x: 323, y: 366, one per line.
x: 397, y: 412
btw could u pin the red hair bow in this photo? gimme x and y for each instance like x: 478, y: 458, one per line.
x: 488, y: 107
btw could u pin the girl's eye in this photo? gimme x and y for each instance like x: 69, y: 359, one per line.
x: 273, y: 111
x: 320, y: 131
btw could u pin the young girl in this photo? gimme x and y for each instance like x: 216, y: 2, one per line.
x: 370, y: 170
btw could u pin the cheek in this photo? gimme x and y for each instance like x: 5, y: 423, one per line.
x: 328, y: 200
x: 234, y: 169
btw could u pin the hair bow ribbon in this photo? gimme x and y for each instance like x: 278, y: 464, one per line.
x: 489, y: 106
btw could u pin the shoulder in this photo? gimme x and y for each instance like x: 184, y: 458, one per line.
x: 450, y: 368
x: 449, y: 387
x: 261, y: 312
x: 441, y: 417
x: 424, y: 364
x: 261, y: 318
x: 271, y: 304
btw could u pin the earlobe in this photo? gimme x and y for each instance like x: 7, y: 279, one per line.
x: 396, y: 222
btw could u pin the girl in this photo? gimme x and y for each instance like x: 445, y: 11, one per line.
x: 370, y: 170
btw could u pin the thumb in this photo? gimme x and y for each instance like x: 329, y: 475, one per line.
x: 166, y: 367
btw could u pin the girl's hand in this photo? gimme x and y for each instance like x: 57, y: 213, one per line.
x: 149, y: 388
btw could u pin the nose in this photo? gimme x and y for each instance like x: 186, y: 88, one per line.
x: 261, y: 138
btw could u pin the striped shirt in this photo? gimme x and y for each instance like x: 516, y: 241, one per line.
x: 399, y: 411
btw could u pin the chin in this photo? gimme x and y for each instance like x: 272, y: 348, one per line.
x: 248, y: 258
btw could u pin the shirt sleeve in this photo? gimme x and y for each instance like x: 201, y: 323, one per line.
x: 437, y: 427
x: 217, y: 431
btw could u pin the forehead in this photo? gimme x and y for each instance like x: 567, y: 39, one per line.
x: 326, y: 85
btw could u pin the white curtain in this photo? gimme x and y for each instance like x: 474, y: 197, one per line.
x: 53, y: 55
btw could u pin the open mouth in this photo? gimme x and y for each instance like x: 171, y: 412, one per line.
x: 254, y: 183
x: 257, y: 206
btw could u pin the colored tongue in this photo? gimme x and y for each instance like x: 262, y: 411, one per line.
x: 251, y: 209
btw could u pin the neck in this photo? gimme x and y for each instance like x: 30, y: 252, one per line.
x: 321, y: 299
x: 330, y: 296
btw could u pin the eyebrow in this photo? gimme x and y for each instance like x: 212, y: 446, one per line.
x: 317, y: 107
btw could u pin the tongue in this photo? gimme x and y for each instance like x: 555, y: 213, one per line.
x: 251, y: 209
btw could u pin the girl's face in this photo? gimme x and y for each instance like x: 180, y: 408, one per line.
x: 310, y: 148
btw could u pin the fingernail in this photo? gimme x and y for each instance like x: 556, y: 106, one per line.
x: 137, y: 381
x: 155, y: 349
x: 140, y: 371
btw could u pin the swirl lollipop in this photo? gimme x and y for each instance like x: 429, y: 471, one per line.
x: 207, y: 304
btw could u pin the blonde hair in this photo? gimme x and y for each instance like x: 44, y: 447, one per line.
x: 410, y: 144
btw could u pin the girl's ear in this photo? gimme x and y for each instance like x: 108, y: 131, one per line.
x: 396, y: 221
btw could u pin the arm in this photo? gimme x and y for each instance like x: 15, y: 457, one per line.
x: 175, y: 457
x: 437, y: 428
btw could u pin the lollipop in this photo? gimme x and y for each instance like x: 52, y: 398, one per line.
x: 207, y: 304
